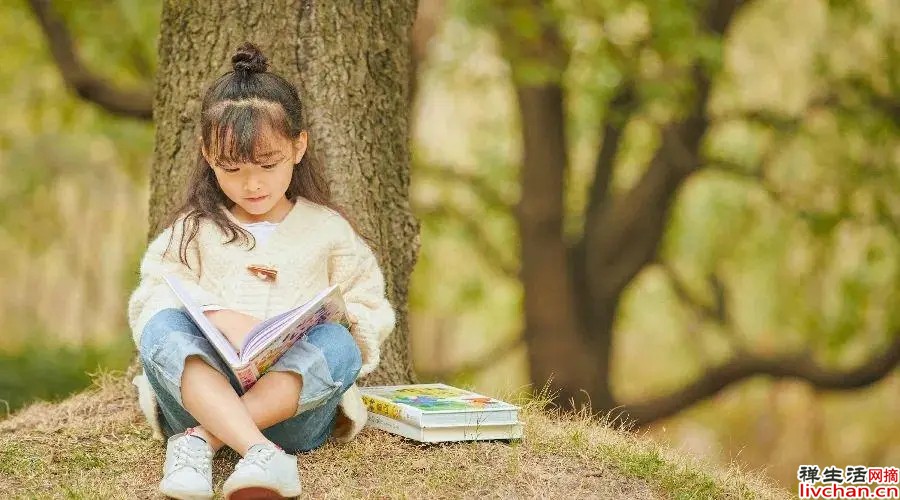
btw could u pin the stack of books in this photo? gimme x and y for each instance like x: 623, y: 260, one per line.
x: 433, y: 413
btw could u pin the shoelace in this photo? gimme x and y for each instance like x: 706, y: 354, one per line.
x: 195, y: 458
x: 258, y: 457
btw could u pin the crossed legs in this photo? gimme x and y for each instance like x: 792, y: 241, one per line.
x: 208, y: 396
x: 193, y: 387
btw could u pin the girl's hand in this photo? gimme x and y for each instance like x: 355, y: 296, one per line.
x: 234, y: 325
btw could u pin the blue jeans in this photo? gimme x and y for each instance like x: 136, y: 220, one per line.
x: 327, y: 359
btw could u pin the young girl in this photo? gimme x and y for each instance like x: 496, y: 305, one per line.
x: 257, y: 235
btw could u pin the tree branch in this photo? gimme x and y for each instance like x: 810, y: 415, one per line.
x: 475, y: 365
x: 619, y: 112
x: 715, y: 312
x: 742, y: 365
x: 485, y: 248
x: 136, y: 103
x: 800, y: 366
x: 142, y: 64
x: 721, y: 14
x: 718, y: 313
x: 700, y: 312
x: 621, y: 107
x: 486, y: 193
x: 882, y: 216
x: 625, y: 236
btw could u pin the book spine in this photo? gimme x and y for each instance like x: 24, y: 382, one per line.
x: 390, y: 409
x: 247, y: 376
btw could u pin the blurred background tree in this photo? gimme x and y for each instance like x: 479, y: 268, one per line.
x: 703, y: 196
x: 666, y: 79
x: 650, y: 200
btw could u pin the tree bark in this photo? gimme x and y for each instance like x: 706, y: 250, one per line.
x: 350, y: 62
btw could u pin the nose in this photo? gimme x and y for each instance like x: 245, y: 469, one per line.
x: 252, y: 184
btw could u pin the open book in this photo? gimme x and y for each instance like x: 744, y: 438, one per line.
x: 269, y: 339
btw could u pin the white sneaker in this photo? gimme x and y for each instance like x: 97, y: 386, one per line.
x: 187, y: 473
x: 266, y: 471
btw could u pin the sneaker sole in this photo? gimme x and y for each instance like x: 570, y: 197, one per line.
x: 257, y: 493
x: 180, y: 495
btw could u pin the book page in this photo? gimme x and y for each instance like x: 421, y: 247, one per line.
x: 277, y: 325
x: 218, y: 341
x: 327, y: 307
x: 258, y: 331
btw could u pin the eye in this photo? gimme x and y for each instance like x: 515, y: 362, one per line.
x: 270, y: 167
x: 230, y: 170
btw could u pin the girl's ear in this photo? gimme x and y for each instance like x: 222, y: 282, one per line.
x: 300, y: 143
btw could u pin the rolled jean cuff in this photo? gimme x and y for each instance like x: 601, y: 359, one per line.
x: 168, y: 360
x: 308, y: 361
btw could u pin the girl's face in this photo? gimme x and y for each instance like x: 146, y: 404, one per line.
x: 258, y: 188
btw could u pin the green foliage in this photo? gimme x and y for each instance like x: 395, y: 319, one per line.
x: 49, y: 135
x: 42, y: 371
x: 801, y: 156
x: 525, y: 31
x: 648, y: 464
x: 54, y: 144
x: 117, y: 39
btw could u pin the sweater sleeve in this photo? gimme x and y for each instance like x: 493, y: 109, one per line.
x: 353, y: 266
x: 153, y: 293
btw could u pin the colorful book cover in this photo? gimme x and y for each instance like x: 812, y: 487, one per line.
x: 437, y: 404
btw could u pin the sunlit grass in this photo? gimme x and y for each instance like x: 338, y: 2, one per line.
x: 96, y: 444
x: 49, y: 372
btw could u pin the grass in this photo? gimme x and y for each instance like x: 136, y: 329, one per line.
x: 41, y: 371
x: 96, y: 445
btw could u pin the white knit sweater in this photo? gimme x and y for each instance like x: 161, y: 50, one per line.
x: 312, y: 248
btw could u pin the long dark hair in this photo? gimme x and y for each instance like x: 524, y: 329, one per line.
x: 238, y: 108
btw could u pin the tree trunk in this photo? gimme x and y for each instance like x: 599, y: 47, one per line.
x: 561, y: 356
x: 350, y: 62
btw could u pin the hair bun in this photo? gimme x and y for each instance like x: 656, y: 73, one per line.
x: 249, y: 59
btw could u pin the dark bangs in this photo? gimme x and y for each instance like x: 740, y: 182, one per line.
x: 238, y: 131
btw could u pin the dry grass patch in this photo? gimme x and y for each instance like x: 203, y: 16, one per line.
x: 96, y: 445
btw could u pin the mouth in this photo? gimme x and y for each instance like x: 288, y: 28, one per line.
x: 256, y: 200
